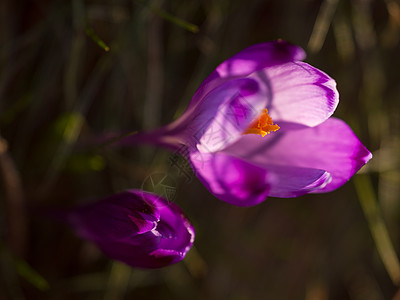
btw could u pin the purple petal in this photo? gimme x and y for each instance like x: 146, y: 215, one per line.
x: 291, y: 181
x: 266, y: 75
x: 260, y: 56
x: 220, y: 118
x: 117, y: 217
x: 168, y: 243
x: 225, y: 113
x: 216, y: 121
x: 227, y: 102
x: 247, y: 61
x: 176, y: 232
x: 331, y: 146
x: 243, y: 183
x: 139, y: 256
x: 232, y: 180
x: 300, y: 93
x: 138, y: 228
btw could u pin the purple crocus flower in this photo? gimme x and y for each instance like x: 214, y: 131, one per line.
x: 260, y: 125
x: 138, y: 228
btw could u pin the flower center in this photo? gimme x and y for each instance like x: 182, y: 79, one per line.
x: 263, y: 125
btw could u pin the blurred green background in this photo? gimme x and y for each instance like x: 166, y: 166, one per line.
x: 73, y: 69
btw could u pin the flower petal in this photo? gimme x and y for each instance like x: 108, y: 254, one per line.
x: 235, y: 94
x: 247, y: 61
x: 331, y: 146
x: 243, y: 183
x: 176, y: 232
x: 291, y: 181
x: 221, y: 117
x: 165, y: 245
x: 117, y: 217
x: 139, y: 256
x: 138, y: 228
x: 231, y: 179
x: 260, y: 56
x: 217, y: 120
x: 300, y: 93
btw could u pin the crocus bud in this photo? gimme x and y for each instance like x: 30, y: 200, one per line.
x: 138, y: 228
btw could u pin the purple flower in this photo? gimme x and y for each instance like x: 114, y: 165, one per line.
x: 260, y: 125
x: 138, y: 228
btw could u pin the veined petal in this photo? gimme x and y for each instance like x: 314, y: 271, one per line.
x: 332, y: 146
x: 301, y: 93
x: 216, y: 121
x: 222, y: 116
x: 267, y: 75
x: 247, y: 61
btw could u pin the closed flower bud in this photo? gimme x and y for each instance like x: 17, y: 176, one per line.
x: 138, y: 228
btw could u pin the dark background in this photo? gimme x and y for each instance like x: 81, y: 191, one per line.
x: 59, y: 87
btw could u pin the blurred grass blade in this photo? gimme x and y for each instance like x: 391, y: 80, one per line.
x: 68, y: 128
x: 377, y: 226
x: 25, y: 271
x: 195, y: 263
x: 74, y: 123
x: 90, y: 33
x: 344, y: 38
x: 363, y: 24
x: 175, y: 20
x: 321, y: 26
x: 170, y: 18
x: 118, y: 281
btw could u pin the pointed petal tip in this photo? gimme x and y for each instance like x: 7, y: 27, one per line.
x: 361, y: 157
x: 368, y: 156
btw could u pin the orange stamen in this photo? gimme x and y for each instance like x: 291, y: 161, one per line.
x: 263, y: 125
